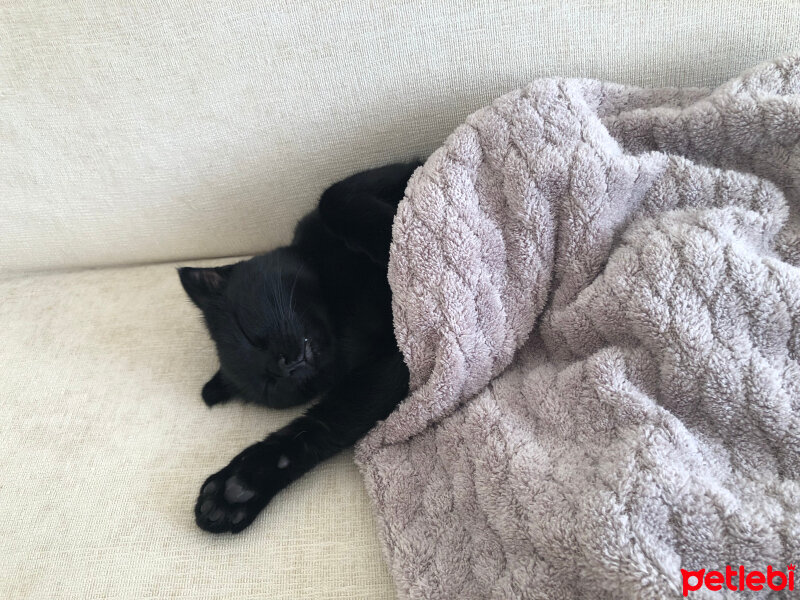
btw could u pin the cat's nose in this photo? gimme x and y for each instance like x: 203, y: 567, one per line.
x: 287, y: 368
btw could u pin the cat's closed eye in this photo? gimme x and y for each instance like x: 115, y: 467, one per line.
x: 259, y: 343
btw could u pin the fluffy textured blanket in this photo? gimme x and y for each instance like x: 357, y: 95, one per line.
x: 597, y: 292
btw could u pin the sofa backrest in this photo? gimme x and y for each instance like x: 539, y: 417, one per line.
x: 169, y: 130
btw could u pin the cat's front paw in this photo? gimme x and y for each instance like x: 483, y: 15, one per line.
x: 217, y: 390
x: 231, y: 499
x: 227, y: 503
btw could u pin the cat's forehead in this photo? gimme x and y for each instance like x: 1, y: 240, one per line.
x: 270, y: 282
x: 263, y: 271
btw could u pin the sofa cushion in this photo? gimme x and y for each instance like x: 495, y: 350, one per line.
x: 152, y: 131
x: 105, y: 441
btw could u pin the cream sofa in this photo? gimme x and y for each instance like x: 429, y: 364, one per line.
x: 138, y: 135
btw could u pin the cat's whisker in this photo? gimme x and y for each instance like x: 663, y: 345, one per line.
x: 294, y: 284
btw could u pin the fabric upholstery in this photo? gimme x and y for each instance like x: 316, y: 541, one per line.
x: 136, y: 132
x: 105, y: 441
x: 154, y: 130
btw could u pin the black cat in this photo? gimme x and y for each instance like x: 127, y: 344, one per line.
x: 311, y: 319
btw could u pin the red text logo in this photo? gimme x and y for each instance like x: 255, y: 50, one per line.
x: 738, y: 579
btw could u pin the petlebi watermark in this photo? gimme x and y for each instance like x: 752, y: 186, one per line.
x: 738, y: 579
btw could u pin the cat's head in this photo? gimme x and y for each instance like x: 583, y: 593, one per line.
x: 270, y: 324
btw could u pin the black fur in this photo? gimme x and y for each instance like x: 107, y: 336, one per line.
x: 312, y: 319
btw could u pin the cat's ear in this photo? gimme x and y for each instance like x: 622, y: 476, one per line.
x: 204, y: 285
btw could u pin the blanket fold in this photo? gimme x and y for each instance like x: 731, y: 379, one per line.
x: 596, y: 289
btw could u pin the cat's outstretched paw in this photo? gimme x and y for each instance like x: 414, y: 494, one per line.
x: 217, y: 390
x: 231, y: 499
x: 227, y: 503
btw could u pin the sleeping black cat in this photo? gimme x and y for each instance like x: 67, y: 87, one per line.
x: 308, y: 320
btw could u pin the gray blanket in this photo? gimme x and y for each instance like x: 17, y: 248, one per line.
x: 597, y: 292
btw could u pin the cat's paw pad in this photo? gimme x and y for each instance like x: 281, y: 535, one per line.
x: 226, y: 503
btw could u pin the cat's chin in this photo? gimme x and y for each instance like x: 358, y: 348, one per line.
x: 282, y: 402
x: 288, y: 393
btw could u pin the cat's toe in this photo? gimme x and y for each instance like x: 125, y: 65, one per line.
x: 226, y: 503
